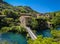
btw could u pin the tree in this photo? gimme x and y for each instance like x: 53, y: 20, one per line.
x: 56, y: 21
x: 14, y: 29
x: 10, y: 13
x: 6, y: 11
x: 5, y: 29
x: 55, y: 33
x: 34, y: 23
x: 42, y: 40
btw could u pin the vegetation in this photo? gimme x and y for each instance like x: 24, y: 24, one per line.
x: 54, y: 18
x: 43, y: 40
x: 55, y: 33
x: 33, y: 23
x: 14, y: 29
x: 11, y: 19
x: 9, y: 22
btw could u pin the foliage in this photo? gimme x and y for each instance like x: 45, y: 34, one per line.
x: 34, y: 23
x: 12, y: 13
x: 55, y: 33
x: 56, y: 20
x: 17, y: 29
x: 42, y: 23
x: 43, y: 40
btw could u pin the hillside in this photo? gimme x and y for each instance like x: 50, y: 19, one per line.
x: 19, y: 9
x: 4, y: 5
x: 12, y: 14
x: 45, y: 26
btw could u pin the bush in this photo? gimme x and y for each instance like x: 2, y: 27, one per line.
x: 43, y: 40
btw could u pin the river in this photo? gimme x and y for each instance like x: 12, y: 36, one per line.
x: 19, y: 38
x: 45, y: 33
x: 13, y: 38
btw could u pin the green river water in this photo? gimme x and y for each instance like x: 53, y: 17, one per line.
x: 19, y: 38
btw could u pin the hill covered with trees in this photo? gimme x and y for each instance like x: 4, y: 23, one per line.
x: 4, y: 6
x: 9, y: 15
x: 9, y: 22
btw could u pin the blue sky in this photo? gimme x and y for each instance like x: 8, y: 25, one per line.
x: 42, y: 6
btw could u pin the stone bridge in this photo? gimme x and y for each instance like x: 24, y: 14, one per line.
x: 24, y: 22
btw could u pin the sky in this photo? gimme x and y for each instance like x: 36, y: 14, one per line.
x: 41, y: 6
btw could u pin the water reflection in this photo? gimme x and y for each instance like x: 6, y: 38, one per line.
x: 45, y: 33
x: 12, y: 38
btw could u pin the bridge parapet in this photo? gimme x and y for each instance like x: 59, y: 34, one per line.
x: 25, y: 20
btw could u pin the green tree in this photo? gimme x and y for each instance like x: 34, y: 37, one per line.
x: 43, y: 40
x: 56, y: 21
x: 34, y: 23
x: 55, y: 33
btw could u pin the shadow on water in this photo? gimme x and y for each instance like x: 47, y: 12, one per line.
x: 58, y: 28
x: 45, y: 33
